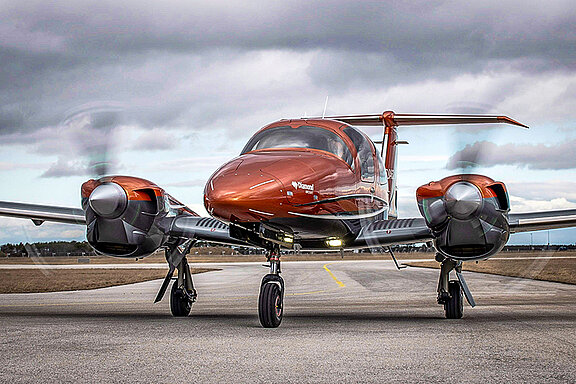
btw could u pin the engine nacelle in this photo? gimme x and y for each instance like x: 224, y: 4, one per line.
x: 123, y: 215
x: 467, y: 215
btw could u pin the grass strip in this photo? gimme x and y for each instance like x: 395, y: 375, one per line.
x: 548, y: 269
x: 55, y: 280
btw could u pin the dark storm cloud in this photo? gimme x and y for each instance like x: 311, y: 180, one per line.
x: 532, y: 156
x: 56, y: 56
x: 495, y: 29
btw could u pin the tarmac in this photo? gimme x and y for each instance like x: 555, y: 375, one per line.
x: 345, y: 321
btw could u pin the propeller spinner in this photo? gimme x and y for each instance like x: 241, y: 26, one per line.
x: 108, y: 200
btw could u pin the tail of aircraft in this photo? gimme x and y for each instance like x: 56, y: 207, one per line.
x: 391, y: 121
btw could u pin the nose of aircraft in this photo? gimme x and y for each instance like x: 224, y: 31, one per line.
x: 241, y: 191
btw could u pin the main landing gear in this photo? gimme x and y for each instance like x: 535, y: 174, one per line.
x: 451, y: 292
x: 183, y: 293
x: 271, y: 299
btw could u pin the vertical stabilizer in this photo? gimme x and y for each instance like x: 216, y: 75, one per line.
x: 391, y: 143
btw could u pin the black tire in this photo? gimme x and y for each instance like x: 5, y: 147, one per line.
x: 454, y: 308
x: 270, y: 305
x: 180, y: 304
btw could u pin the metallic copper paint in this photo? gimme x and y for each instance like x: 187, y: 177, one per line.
x: 439, y: 188
x: 135, y: 188
x: 228, y: 196
x: 131, y: 185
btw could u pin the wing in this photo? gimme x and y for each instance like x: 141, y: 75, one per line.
x: 537, y: 221
x: 406, y: 231
x: 397, y: 231
x: 377, y: 233
x: 204, y: 229
x: 41, y: 213
x: 193, y: 227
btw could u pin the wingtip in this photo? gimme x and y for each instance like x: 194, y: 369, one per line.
x: 508, y: 120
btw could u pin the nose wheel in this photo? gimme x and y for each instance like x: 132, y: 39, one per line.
x: 271, y: 299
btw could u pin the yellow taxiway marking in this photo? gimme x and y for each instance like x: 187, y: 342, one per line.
x: 304, y: 293
x: 341, y: 284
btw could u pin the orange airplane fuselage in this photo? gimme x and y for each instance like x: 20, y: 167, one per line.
x: 304, y: 178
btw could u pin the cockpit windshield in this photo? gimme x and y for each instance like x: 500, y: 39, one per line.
x: 301, y: 137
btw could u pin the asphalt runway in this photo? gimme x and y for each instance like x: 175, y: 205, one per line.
x: 350, y: 322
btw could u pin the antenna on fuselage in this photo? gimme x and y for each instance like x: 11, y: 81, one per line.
x: 325, y: 107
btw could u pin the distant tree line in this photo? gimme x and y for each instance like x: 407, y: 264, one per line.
x: 540, y: 247
x: 82, y: 248
x: 53, y: 248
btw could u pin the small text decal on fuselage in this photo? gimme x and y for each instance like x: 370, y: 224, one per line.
x: 309, y: 188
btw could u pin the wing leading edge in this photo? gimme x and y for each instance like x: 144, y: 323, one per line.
x: 390, y: 232
x: 193, y: 227
x: 40, y: 213
x: 538, y: 221
x: 407, y: 231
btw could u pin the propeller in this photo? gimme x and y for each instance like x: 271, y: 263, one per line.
x: 91, y: 129
x: 472, y: 146
x: 471, y: 142
x: 86, y: 145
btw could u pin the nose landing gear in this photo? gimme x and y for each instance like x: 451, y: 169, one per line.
x: 271, y: 299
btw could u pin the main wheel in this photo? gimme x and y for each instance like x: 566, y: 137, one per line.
x: 270, y: 305
x: 180, y: 304
x: 454, y: 307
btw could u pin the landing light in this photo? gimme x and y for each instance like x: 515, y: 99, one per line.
x: 334, y: 243
x: 288, y: 239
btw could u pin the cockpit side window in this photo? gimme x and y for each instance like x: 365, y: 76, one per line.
x: 301, y: 137
x: 382, y: 170
x: 364, y: 150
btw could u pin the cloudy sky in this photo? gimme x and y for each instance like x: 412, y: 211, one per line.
x: 175, y: 88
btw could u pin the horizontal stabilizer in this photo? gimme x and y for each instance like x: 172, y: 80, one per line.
x: 399, y: 119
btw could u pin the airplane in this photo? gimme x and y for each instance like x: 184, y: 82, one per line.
x: 312, y: 184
